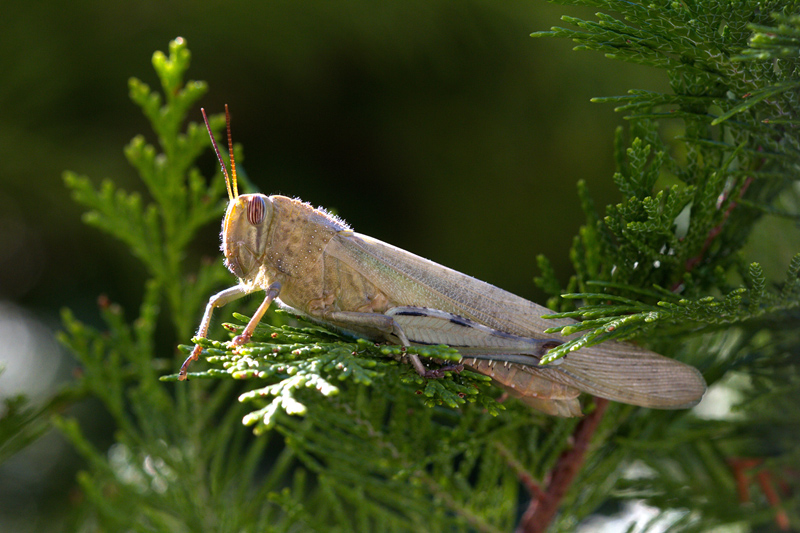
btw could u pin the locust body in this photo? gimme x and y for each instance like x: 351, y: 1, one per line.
x: 314, y: 264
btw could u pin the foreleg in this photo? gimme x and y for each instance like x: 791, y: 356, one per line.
x: 218, y: 300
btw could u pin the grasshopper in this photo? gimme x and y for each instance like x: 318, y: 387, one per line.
x: 312, y: 263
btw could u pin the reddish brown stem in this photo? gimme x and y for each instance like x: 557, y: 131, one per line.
x: 693, y: 262
x: 740, y: 467
x: 765, y: 481
x: 543, y: 508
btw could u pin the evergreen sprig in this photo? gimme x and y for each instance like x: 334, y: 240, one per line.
x: 608, y: 316
x: 166, y: 470
x: 294, y: 359
x: 668, y: 251
x: 159, y: 232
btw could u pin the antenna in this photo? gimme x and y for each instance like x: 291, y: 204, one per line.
x: 219, y: 157
x: 230, y: 151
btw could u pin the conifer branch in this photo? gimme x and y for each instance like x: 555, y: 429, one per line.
x: 543, y: 508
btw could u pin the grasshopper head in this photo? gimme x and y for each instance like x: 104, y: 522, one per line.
x: 244, y: 229
x: 244, y: 233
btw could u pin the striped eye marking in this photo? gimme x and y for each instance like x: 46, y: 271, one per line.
x: 256, y: 210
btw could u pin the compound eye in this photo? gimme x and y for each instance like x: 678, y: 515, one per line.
x: 256, y: 210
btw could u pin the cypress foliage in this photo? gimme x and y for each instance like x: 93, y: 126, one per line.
x: 349, y: 439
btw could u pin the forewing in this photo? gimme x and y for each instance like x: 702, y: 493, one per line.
x: 410, y: 280
x: 629, y: 374
x: 611, y: 370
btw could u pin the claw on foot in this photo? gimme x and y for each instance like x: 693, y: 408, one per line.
x: 183, y: 374
x: 240, y: 340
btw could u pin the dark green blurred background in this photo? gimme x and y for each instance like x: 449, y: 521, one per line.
x: 439, y: 126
